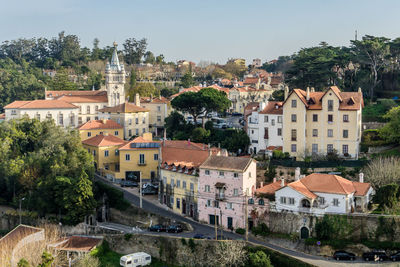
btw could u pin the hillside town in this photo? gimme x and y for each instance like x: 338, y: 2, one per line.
x: 115, y: 156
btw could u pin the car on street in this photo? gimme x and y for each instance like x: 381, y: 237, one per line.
x: 149, y: 190
x: 157, y: 228
x: 236, y: 114
x: 175, y: 228
x: 149, y: 184
x: 344, y: 255
x: 395, y: 256
x: 199, y: 236
x: 128, y: 183
x: 375, y: 255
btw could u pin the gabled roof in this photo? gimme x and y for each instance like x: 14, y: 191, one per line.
x: 154, y: 100
x: 10, y: 240
x: 273, y: 107
x: 270, y: 188
x: 124, y: 108
x: 251, y: 80
x: 100, y: 124
x: 40, y: 104
x: 104, y: 140
x: 227, y: 163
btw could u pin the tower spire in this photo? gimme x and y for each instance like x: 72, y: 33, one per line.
x: 114, y: 59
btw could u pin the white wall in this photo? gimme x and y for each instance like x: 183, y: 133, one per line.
x: 32, y: 113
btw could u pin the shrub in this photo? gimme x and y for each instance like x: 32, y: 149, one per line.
x: 128, y: 236
x: 240, y: 231
x: 261, y: 229
x: 115, y: 197
x: 183, y: 241
x: 192, y: 244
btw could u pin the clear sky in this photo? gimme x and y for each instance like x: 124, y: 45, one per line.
x: 212, y: 30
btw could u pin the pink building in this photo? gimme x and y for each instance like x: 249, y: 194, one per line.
x: 224, y: 185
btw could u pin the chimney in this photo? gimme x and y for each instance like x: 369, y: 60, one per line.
x: 286, y: 92
x: 308, y: 94
x: 282, y: 182
x: 261, y: 184
x: 297, y: 174
x: 104, y: 120
x: 312, y: 90
x: 262, y: 105
x: 137, y: 100
x: 274, y: 180
x: 359, y: 90
x: 361, y: 177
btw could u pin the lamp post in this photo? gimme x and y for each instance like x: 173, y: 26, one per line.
x: 20, y: 210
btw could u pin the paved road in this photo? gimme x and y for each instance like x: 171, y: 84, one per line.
x: 209, y: 231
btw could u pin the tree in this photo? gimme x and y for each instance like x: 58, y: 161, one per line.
x: 47, y: 259
x: 143, y: 89
x: 134, y: 50
x: 173, y: 123
x: 132, y: 79
x: 214, y: 100
x: 259, y: 259
x: 278, y: 95
x: 160, y: 59
x: 23, y: 263
x: 149, y: 57
x: 324, y: 229
x: 189, y: 102
x: 383, y: 170
x: 187, y: 80
x: 387, y: 197
x: 237, y: 142
x: 167, y: 92
x: 61, y: 82
x: 373, y: 52
x: 200, y: 135
x: 270, y: 173
x: 391, y: 130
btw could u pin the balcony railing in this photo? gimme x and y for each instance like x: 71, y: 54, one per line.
x: 219, y: 196
x: 142, y: 163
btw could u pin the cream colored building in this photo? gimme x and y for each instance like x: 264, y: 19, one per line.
x: 242, y: 96
x: 322, y: 122
x: 159, y: 108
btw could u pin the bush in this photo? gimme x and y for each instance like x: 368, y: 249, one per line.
x: 128, y: 237
x: 240, y: 231
x: 261, y: 229
x: 115, y: 197
x: 324, y: 229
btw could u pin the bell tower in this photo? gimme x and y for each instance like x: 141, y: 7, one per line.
x: 115, y: 80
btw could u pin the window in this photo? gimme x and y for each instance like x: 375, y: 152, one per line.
x: 216, y: 204
x: 314, y: 148
x: 116, y: 152
x: 315, y: 117
x: 130, y: 121
x: 330, y: 133
x: 249, y: 174
x: 294, y: 103
x: 137, y: 120
x: 294, y: 134
x: 127, y: 157
x: 116, y: 167
x: 315, y: 132
x: 144, y: 120
x: 106, y: 153
x: 178, y: 203
x: 88, y: 150
x: 144, y: 130
x: 207, y: 172
x: 116, y: 133
x: 206, y: 188
x: 261, y: 202
x: 329, y: 148
x: 94, y: 152
x: 330, y: 118
x: 279, y: 131
x: 273, y: 122
x: 321, y: 200
x: 89, y: 134
x: 88, y: 110
x: 158, y: 118
x: 235, y: 174
x: 291, y: 200
x: 137, y: 132
x: 330, y: 105
x: 283, y: 200
x: 345, y: 149
x: 279, y: 119
x: 265, y: 118
x: 96, y: 108
x: 191, y: 187
x: 294, y: 117
x: 49, y: 116
x: 235, y: 192
x: 106, y: 166
x: 345, y: 133
x: 141, y: 158
x: 251, y: 201
x: 158, y: 108
x: 293, y: 148
x: 172, y: 200
x: 208, y: 202
x: 79, y: 120
x: 184, y: 184
x: 13, y: 112
x: 155, y: 156
x: 221, y: 173
x: 345, y: 118
x: 335, y: 202
x: 60, y: 119
x: 229, y: 206
x: 178, y: 183
x: 172, y: 183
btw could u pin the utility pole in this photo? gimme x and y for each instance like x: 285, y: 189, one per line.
x: 140, y: 190
x: 247, y: 216
x: 222, y: 227
x: 215, y: 224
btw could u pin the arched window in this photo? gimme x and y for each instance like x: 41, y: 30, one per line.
x: 251, y: 201
x: 261, y: 202
x: 305, y: 203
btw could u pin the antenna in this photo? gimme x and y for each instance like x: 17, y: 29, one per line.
x: 355, y: 37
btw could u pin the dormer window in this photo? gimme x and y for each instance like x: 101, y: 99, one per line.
x: 194, y: 172
x: 186, y: 170
x: 174, y: 168
x: 351, y: 101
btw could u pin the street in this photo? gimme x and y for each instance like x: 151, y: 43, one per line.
x: 209, y: 231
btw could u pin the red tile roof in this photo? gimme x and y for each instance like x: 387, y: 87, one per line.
x: 100, y: 124
x: 273, y: 107
x: 154, y: 100
x: 270, y: 188
x: 84, y: 99
x: 17, y: 104
x: 75, y: 93
x: 124, y: 108
x: 40, y: 104
x: 104, y: 140
x: 251, y: 80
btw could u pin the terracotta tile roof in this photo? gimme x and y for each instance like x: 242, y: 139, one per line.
x: 124, y: 108
x: 40, y: 104
x: 84, y: 99
x: 315, y: 102
x: 270, y: 188
x: 154, y: 100
x: 139, y: 139
x: 198, y: 88
x: 227, y: 163
x: 104, y: 140
x: 328, y: 183
x: 100, y: 124
x: 273, y: 107
x: 77, y: 243
x: 184, y: 153
x: 272, y: 148
x: 251, y: 80
x: 75, y: 93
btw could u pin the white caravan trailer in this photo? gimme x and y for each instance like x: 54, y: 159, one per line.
x: 135, y: 260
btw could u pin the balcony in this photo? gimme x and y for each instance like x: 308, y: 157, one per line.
x: 142, y: 163
x: 220, y: 196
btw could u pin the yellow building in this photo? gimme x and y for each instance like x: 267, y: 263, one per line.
x: 242, y: 96
x: 179, y: 175
x: 139, y: 158
x: 96, y: 127
x: 105, y: 151
x: 317, y: 123
x: 159, y: 108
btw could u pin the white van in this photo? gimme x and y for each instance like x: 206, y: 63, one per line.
x: 135, y: 260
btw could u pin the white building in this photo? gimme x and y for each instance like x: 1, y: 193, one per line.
x: 264, y: 128
x: 324, y: 193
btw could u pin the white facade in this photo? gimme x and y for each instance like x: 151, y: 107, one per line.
x: 264, y: 130
x: 115, y: 80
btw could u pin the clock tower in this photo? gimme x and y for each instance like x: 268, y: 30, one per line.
x: 115, y: 80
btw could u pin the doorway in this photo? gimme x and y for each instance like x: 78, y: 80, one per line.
x: 304, y: 232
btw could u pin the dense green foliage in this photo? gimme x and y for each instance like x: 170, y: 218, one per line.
x: 115, y: 197
x: 375, y: 112
x: 261, y: 229
x: 391, y: 131
x: 387, y: 197
x: 259, y: 259
x: 144, y: 90
x: 276, y: 258
x: 48, y: 166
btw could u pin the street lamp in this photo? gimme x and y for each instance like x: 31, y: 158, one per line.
x: 20, y: 210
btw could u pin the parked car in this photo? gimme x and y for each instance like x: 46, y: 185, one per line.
x: 395, y: 256
x: 157, y: 228
x: 128, y: 183
x: 149, y: 184
x: 149, y: 190
x: 344, y: 255
x: 199, y: 236
x: 175, y: 228
x: 375, y: 255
